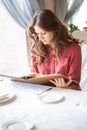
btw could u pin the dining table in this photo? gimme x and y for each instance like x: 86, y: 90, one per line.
x: 39, y: 107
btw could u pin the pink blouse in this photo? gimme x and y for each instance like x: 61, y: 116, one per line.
x: 68, y: 64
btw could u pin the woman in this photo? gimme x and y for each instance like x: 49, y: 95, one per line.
x: 54, y: 50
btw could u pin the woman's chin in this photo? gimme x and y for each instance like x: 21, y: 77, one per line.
x: 45, y: 43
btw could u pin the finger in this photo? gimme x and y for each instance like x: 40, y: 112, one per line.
x: 53, y: 82
x: 69, y: 82
x: 61, y: 80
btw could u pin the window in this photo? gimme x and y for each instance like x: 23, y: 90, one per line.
x: 13, y: 52
x: 81, y: 17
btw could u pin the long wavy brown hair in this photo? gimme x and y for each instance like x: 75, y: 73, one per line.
x: 48, y: 21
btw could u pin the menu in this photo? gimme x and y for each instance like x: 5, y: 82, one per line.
x: 37, y: 78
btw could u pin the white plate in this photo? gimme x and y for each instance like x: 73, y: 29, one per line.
x: 17, y: 125
x: 49, y: 98
x: 6, y: 97
x: 1, y: 79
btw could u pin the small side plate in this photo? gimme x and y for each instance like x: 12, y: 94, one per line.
x: 49, y: 98
x: 6, y: 97
x: 17, y: 125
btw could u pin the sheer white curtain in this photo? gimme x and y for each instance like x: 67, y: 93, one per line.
x: 64, y: 9
x: 73, y: 9
x: 17, y: 11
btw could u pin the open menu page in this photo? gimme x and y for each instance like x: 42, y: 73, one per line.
x: 37, y: 78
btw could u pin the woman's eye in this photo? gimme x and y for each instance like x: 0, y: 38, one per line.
x: 43, y: 33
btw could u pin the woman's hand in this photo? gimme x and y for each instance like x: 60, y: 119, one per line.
x: 60, y: 83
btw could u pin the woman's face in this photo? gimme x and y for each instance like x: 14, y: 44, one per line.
x: 44, y: 36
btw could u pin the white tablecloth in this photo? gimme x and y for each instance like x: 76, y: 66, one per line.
x: 70, y: 114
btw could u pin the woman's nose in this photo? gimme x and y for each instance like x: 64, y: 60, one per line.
x: 40, y: 37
